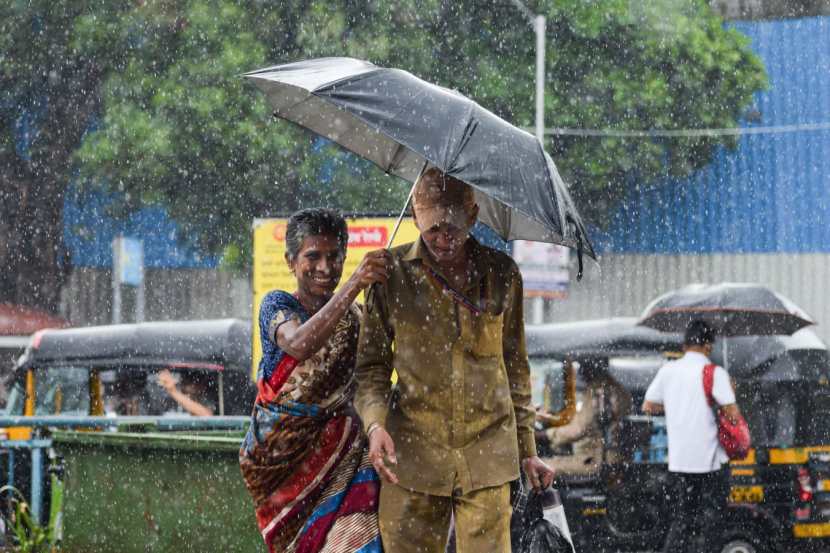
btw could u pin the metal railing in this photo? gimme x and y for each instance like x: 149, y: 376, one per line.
x: 161, y: 423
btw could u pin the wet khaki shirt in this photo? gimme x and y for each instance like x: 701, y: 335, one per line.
x: 462, y: 417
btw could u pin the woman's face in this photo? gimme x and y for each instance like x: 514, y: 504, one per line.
x: 318, y: 265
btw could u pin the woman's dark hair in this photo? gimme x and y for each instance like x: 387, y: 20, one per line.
x: 699, y: 333
x: 316, y: 221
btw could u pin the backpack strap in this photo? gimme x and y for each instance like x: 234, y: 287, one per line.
x: 709, y: 382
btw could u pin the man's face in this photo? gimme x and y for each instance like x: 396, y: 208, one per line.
x: 318, y: 265
x: 445, y: 242
x: 444, y: 210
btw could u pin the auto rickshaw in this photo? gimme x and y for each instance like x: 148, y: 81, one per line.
x: 115, y: 370
x: 780, y: 494
x: 151, y: 375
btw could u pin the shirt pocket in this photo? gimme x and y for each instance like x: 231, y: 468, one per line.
x: 487, y: 391
x: 487, y: 335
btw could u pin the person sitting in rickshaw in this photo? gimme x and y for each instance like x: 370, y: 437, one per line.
x: 193, y: 397
x: 593, y: 434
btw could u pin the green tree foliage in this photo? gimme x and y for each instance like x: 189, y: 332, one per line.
x: 178, y: 125
x: 182, y: 128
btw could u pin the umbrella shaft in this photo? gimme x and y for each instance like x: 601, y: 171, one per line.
x: 405, y: 205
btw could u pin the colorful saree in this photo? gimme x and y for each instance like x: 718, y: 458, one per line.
x: 305, y: 458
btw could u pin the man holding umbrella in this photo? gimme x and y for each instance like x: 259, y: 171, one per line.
x: 450, y: 322
x: 696, y: 459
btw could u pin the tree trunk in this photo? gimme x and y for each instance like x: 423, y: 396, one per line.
x: 33, y: 260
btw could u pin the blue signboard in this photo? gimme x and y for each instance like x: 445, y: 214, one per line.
x: 130, y: 259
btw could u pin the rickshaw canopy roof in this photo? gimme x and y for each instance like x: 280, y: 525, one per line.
x: 614, y: 337
x: 217, y: 344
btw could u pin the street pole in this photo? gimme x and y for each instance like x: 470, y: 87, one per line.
x: 116, y: 280
x: 538, y: 23
x: 539, y: 28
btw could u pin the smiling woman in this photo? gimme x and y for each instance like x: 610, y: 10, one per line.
x: 304, y: 458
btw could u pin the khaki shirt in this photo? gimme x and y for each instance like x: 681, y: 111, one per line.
x: 463, y: 418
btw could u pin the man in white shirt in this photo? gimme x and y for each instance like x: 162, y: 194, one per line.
x: 696, y: 459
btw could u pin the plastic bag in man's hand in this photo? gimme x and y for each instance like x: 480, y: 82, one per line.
x: 543, y: 537
x: 544, y: 528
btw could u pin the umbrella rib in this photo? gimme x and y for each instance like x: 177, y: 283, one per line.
x: 380, y: 129
x: 396, y: 157
x: 550, y: 180
x: 729, y: 310
x: 469, y: 129
x: 346, y: 79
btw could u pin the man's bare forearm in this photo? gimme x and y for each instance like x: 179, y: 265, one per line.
x: 652, y: 408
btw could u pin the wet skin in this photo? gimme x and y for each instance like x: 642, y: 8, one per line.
x: 318, y: 268
x: 445, y: 243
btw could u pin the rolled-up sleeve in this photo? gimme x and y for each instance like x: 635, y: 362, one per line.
x: 374, y: 361
x: 518, y: 368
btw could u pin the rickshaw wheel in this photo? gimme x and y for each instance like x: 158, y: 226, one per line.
x: 738, y: 546
x: 741, y: 541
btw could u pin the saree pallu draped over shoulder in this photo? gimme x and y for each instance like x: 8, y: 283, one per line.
x: 305, y: 457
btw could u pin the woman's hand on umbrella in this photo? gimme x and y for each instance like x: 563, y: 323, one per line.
x: 374, y: 268
x: 381, y: 451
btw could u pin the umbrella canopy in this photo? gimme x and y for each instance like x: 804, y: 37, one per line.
x: 774, y: 358
x: 733, y: 309
x: 402, y: 123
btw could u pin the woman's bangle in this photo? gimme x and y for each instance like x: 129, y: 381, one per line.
x: 372, y: 427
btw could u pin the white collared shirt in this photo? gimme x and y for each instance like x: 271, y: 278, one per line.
x: 690, y: 424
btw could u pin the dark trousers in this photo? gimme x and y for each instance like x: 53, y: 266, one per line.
x: 697, y: 503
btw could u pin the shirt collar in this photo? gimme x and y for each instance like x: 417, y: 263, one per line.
x: 418, y: 252
x: 696, y: 356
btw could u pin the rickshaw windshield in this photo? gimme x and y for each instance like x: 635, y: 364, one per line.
x: 14, y: 403
x: 547, y: 383
x: 62, y: 391
x: 127, y: 391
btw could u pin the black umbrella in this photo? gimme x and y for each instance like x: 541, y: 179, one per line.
x: 774, y: 358
x: 733, y: 309
x: 402, y: 124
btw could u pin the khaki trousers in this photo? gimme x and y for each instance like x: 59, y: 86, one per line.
x: 412, y: 522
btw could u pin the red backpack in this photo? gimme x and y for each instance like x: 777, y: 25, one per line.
x: 734, y: 437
